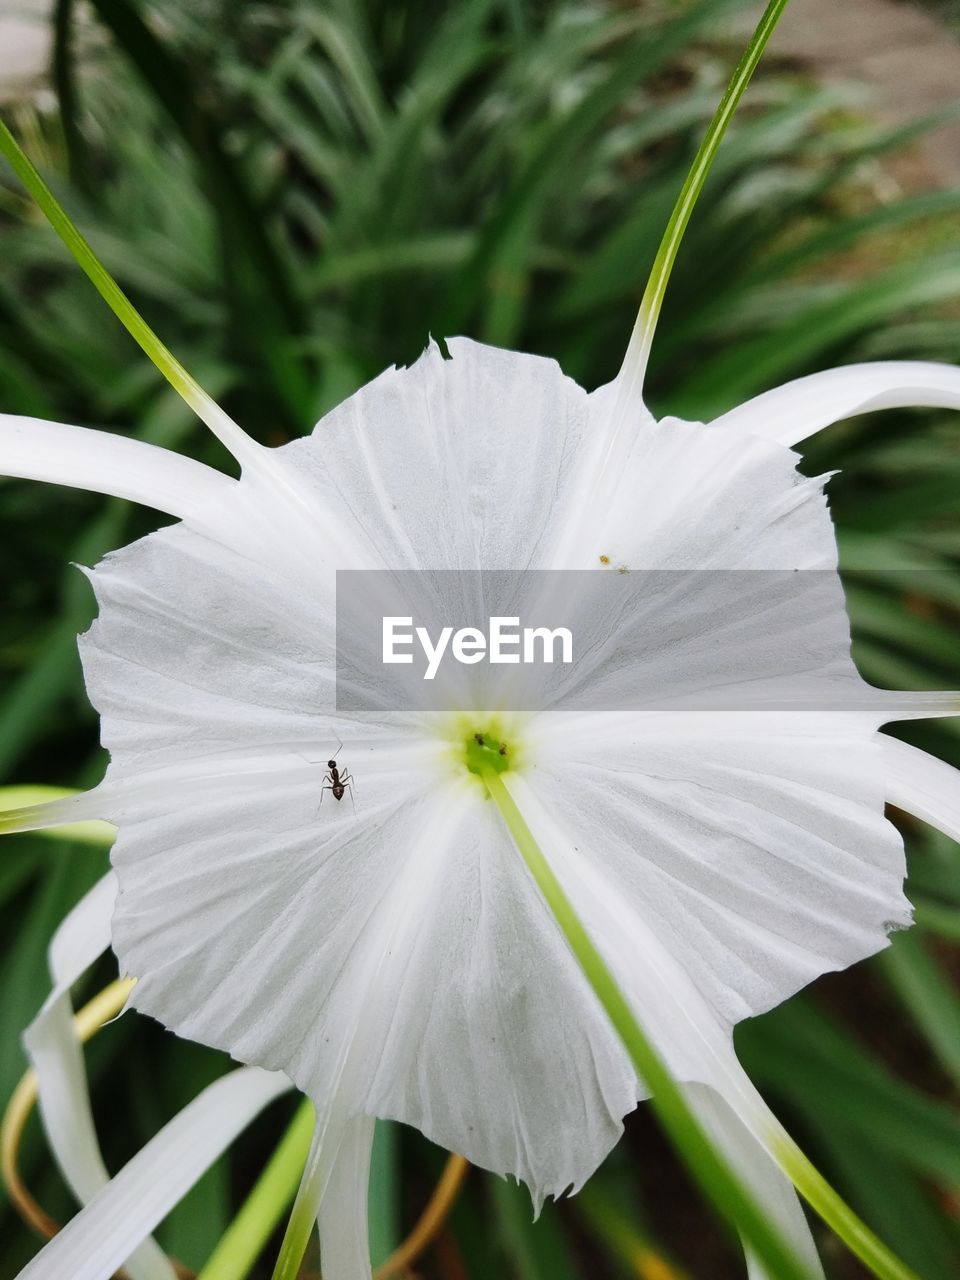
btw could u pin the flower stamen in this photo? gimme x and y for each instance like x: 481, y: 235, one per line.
x: 486, y: 752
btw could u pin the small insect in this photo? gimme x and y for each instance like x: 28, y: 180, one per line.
x: 337, y: 780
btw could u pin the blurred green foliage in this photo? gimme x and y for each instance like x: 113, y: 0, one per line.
x: 297, y: 194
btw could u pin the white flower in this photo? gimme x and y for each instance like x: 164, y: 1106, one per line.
x: 397, y: 960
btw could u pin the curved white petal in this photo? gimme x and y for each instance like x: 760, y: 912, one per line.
x: 343, y: 1220
x: 83, y: 935
x: 94, y: 1243
x: 56, y: 1057
x: 104, y: 463
x: 805, y: 406
x: 770, y: 1188
x: 919, y: 783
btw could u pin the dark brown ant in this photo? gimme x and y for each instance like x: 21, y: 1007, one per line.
x: 338, y: 781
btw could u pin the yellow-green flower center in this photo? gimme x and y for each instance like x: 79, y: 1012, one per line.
x: 486, y: 752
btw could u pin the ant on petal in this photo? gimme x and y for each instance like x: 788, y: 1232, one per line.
x: 337, y: 780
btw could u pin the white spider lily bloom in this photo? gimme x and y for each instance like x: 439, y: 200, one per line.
x: 397, y: 960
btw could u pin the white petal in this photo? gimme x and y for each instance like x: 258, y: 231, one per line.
x: 721, y: 641
x: 800, y: 408
x: 83, y: 935
x: 198, y: 649
x: 693, y: 1041
x: 112, y: 464
x: 57, y: 1059
x: 692, y: 498
x: 770, y: 1188
x: 95, y: 1242
x: 344, y: 1244
x: 752, y: 845
x: 922, y: 785
x: 334, y: 928
x: 493, y: 1043
x: 443, y: 465
x: 689, y: 1036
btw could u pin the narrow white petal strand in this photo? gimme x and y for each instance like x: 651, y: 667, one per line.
x: 915, y: 705
x: 771, y: 1189
x: 94, y: 1243
x: 922, y: 785
x: 344, y: 1242
x: 805, y: 406
x: 80, y: 812
x: 54, y: 1050
x: 83, y: 935
x: 56, y: 1057
x: 754, y: 845
x: 104, y: 463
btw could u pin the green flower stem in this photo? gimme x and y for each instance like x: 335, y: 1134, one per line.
x: 715, y: 1179
x: 299, y: 1229
x: 205, y: 408
x: 641, y: 340
x: 243, y: 1241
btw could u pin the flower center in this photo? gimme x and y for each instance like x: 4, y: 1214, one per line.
x: 486, y: 742
x: 486, y: 752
